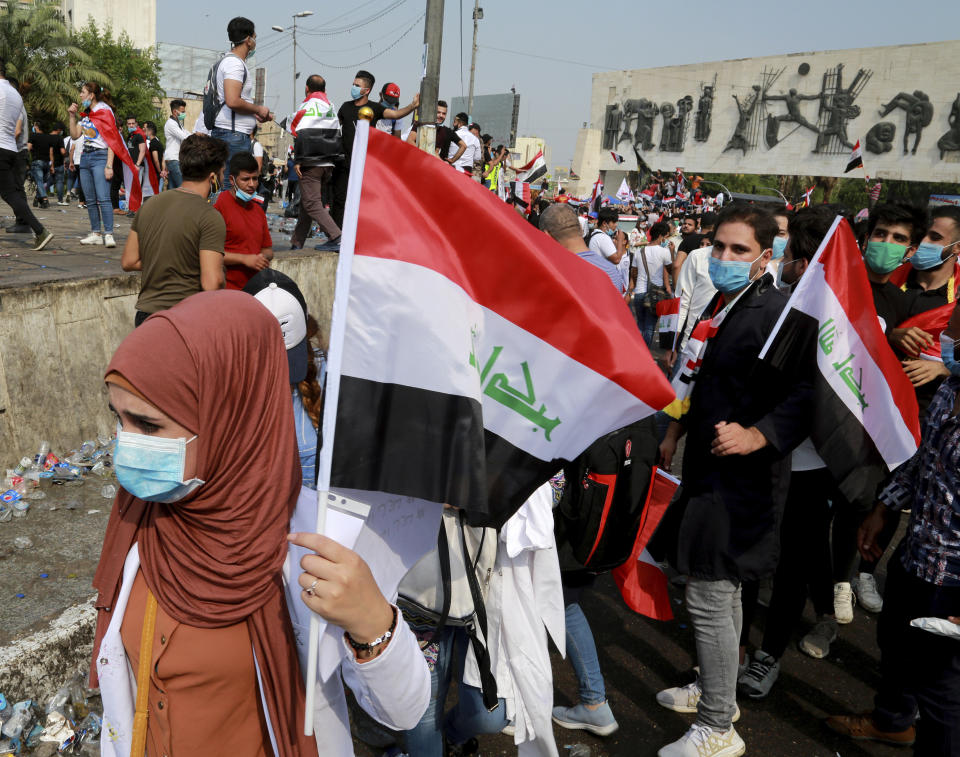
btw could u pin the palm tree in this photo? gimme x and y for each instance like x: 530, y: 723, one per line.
x: 40, y: 52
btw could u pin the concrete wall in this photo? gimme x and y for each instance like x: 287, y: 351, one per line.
x: 57, y: 338
x: 586, y: 162
x: 932, y: 68
x: 138, y: 19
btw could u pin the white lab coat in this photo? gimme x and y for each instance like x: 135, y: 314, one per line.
x: 394, y: 688
x: 524, y: 604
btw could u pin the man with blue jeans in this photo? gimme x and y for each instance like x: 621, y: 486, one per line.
x: 41, y: 163
x: 744, y: 419
x: 239, y: 114
x: 174, y: 133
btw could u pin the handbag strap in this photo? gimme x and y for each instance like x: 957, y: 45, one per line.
x: 646, y: 270
x: 488, y: 683
x: 138, y: 743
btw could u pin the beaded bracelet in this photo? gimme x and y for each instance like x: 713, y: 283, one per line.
x: 379, y: 640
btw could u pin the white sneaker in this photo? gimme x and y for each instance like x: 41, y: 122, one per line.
x: 108, y: 240
x: 703, y: 741
x: 92, y: 238
x: 685, y: 699
x: 865, y: 587
x: 759, y: 678
x: 843, y: 601
x: 822, y: 635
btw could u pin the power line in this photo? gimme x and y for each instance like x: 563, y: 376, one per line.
x: 594, y: 66
x: 372, y: 57
x: 316, y: 32
x: 375, y: 39
x: 275, y: 54
x: 352, y: 10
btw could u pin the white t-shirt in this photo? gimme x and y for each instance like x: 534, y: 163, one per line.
x: 805, y: 457
x: 257, y: 149
x: 76, y: 147
x: 390, y: 125
x: 584, y: 225
x: 199, y: 127
x: 696, y: 289
x: 473, y: 152
x: 602, y: 243
x: 231, y: 67
x: 174, y: 134
x: 10, y: 106
x: 657, y: 258
x: 91, y: 136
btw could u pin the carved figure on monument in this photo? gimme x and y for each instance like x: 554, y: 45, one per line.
x: 919, y: 112
x: 701, y: 131
x: 675, y: 126
x: 646, y: 113
x: 740, y: 139
x: 880, y: 137
x: 793, y: 115
x: 837, y: 109
x: 611, y: 127
x: 951, y: 140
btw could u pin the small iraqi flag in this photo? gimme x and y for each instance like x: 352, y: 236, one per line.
x: 856, y: 158
x: 932, y: 321
x: 668, y: 322
x: 533, y: 170
x: 617, y: 157
x: 443, y: 383
x: 865, y: 420
x: 807, y: 199
x: 642, y: 584
x: 521, y: 191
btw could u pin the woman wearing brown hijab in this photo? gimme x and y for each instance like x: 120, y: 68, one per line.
x: 190, y: 582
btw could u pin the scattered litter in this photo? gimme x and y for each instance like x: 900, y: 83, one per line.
x: 109, y: 491
x: 578, y: 750
x: 23, y: 542
x: 70, y: 723
x: 92, y: 512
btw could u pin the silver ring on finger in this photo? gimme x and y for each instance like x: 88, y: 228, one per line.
x: 312, y: 587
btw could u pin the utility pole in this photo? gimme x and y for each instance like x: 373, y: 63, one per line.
x: 294, y: 65
x: 477, y: 15
x: 430, y: 86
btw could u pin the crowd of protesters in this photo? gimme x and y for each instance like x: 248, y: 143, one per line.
x: 198, y: 586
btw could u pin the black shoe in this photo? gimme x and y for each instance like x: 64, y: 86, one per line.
x: 18, y: 228
x: 44, y: 204
x: 36, y: 202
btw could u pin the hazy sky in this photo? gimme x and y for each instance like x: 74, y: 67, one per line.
x: 547, y: 49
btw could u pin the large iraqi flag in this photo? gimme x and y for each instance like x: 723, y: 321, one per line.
x: 865, y: 420
x: 471, y: 355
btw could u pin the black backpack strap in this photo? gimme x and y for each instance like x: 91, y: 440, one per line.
x: 443, y: 552
x: 487, y: 682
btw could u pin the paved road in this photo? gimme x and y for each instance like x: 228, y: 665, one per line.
x: 65, y: 258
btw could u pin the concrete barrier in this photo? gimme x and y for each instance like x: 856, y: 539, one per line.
x: 57, y: 338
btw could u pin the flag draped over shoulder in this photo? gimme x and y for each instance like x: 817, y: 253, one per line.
x: 107, y: 128
x: 865, y: 420
x: 477, y: 355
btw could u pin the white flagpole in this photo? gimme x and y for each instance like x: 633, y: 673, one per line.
x: 338, y: 328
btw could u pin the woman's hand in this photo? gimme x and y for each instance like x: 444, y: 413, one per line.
x: 342, y: 588
x: 108, y: 172
x: 73, y: 109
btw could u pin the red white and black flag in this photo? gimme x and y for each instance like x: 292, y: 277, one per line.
x: 617, y: 157
x: 535, y: 169
x: 856, y: 158
x: 865, y: 421
x: 471, y: 355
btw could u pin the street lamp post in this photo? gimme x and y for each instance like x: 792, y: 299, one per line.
x: 301, y: 14
x: 722, y: 186
x: 773, y: 189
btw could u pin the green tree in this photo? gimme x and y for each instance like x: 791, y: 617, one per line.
x: 39, y: 51
x: 135, y: 73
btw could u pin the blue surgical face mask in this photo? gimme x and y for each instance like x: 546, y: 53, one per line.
x: 779, y: 245
x: 241, y: 195
x: 356, y: 92
x: 85, y: 104
x: 151, y: 468
x: 731, y: 275
x: 947, y: 352
x: 928, y: 255
x: 610, y: 232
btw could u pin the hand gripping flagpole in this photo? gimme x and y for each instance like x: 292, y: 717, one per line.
x: 338, y: 328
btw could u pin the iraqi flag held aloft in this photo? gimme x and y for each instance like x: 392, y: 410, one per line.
x: 856, y: 158
x: 535, y: 169
x: 865, y: 420
x: 617, y: 157
x: 471, y: 355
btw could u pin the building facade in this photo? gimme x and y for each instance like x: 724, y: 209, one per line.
x: 796, y: 114
x: 138, y: 19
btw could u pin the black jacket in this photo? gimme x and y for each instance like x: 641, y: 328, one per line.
x: 733, y: 504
